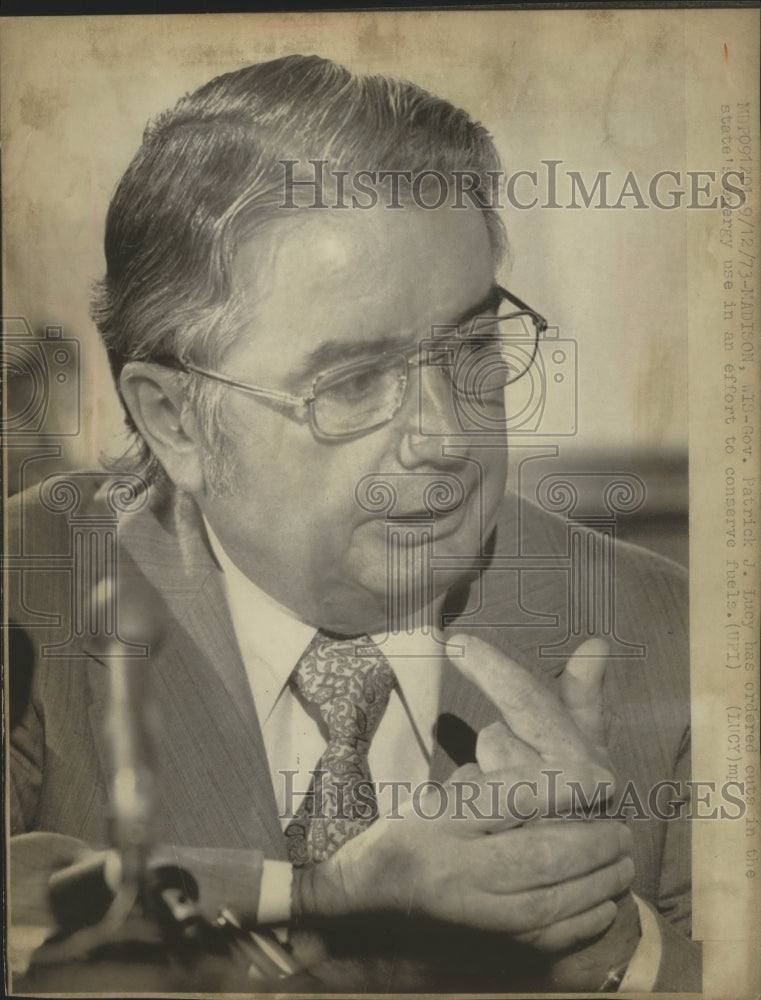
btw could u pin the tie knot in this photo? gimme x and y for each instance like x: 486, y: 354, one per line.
x: 349, y: 681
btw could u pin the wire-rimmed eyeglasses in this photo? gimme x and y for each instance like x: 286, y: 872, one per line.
x: 479, y: 358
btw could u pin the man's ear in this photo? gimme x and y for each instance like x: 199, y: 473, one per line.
x: 154, y: 399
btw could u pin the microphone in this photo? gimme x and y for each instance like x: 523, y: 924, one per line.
x: 122, y: 917
x: 132, y: 719
x: 81, y: 895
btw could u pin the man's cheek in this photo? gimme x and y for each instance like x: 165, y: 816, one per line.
x: 364, y: 554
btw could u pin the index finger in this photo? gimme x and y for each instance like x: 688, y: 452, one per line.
x: 528, y: 707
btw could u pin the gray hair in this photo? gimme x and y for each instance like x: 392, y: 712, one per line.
x: 209, y: 173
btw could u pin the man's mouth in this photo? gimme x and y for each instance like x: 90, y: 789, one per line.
x: 441, y: 520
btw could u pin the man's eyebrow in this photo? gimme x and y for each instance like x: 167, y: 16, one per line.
x: 333, y: 353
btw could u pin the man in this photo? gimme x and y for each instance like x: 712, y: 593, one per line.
x: 265, y: 333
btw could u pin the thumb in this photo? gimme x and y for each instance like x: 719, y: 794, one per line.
x: 581, y: 688
x: 498, y: 749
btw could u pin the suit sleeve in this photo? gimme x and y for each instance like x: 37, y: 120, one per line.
x: 227, y: 878
x: 680, y: 964
x: 654, y: 594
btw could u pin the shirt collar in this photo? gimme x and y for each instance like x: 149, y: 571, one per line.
x: 270, y: 637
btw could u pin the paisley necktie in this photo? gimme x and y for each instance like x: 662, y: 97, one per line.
x: 349, y: 682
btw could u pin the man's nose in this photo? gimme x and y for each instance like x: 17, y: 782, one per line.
x: 428, y: 419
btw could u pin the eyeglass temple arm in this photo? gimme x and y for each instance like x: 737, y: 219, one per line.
x: 188, y: 366
x: 514, y: 300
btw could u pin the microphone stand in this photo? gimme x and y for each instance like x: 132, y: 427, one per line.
x: 124, y: 924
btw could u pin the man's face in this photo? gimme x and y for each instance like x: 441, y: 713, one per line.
x: 341, y: 286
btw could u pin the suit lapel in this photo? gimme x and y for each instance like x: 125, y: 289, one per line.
x: 213, y: 775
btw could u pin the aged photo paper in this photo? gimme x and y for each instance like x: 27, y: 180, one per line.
x: 629, y: 192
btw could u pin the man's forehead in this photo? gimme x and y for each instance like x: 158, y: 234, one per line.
x: 323, y: 278
x: 310, y: 249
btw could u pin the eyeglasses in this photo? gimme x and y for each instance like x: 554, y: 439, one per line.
x: 478, y: 359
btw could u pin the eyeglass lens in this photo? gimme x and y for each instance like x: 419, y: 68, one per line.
x: 495, y: 352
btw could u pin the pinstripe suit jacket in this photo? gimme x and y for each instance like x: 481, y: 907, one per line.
x: 214, y: 786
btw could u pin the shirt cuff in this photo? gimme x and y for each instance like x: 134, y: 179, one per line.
x: 642, y: 970
x: 275, y: 893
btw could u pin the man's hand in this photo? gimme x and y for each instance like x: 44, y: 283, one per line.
x: 547, y: 884
x: 580, y: 689
x: 541, y: 732
x: 551, y: 885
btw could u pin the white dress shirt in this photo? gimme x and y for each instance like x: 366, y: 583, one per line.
x: 271, y: 640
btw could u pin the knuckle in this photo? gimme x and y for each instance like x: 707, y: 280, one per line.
x: 551, y: 904
x: 595, y: 838
x: 625, y: 838
x: 605, y: 841
x: 625, y: 871
x: 611, y: 880
x: 607, y: 777
x: 541, y: 907
x: 528, y: 913
x: 544, y: 861
x: 524, y: 693
x: 563, y: 866
x: 536, y: 939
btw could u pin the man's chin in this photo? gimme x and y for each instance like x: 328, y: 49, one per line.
x: 407, y: 605
x: 350, y: 610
